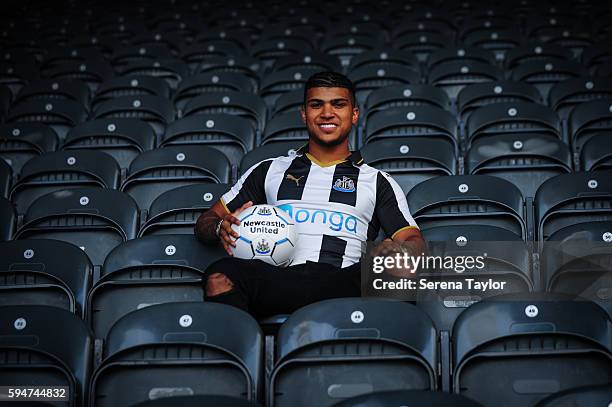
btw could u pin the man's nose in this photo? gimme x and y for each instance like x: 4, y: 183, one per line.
x: 328, y: 110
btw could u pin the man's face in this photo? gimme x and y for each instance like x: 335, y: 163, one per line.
x: 329, y: 115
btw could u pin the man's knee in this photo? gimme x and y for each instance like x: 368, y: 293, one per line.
x: 218, y: 284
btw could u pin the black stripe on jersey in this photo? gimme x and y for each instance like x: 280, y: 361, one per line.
x: 253, y: 188
x: 332, y: 250
x: 344, y: 184
x: 387, y: 209
x: 294, y: 180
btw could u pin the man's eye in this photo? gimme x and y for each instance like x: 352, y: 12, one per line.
x: 340, y: 104
x: 315, y: 105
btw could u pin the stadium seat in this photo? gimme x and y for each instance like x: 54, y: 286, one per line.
x: 5, y: 100
x: 94, y: 219
x: 460, y: 54
x: 286, y: 31
x: 512, y: 118
x: 383, y: 56
x: 596, y: 56
x: 483, y: 94
x: 564, y: 96
x: 535, y: 51
x: 155, y: 110
x: 60, y: 115
x: 422, y: 44
x: 15, y: 75
x: 272, y: 150
x: 146, y: 271
x: 61, y: 170
x: 404, y: 96
x: 232, y: 135
x: 147, y: 38
x: 571, y: 199
x: 368, y: 78
x: 189, y: 348
x: 408, y: 398
x: 243, y: 64
x: 130, y: 86
x: 269, y: 51
x: 412, y: 121
x: 596, y: 154
x: 45, y: 272
x: 177, y: 210
x: 223, y: 49
x: 8, y: 219
x: 276, y: 83
x: 49, y: 89
x: 308, y: 61
x: 242, y: 104
x: 453, y: 76
x: 122, y: 139
x: 157, y: 171
x: 588, y: 119
x: 507, y: 260
x: 526, y: 160
x: 411, y: 160
x: 543, y: 27
x: 337, y: 349
x: 579, y: 397
x: 466, y: 199
x: 291, y: 101
x: 45, y: 346
x: 544, y: 74
x: 92, y: 72
x: 198, y: 401
x: 346, y: 46
x: 173, y: 71
x: 497, y: 40
x: 197, y: 85
x: 123, y: 56
x: 6, y: 179
x: 517, y: 349
x: 63, y: 54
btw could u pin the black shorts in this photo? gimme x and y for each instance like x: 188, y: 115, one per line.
x: 265, y: 290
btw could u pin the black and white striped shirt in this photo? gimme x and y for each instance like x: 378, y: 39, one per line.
x: 336, y: 206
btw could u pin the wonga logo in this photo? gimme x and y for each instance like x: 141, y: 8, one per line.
x: 337, y: 221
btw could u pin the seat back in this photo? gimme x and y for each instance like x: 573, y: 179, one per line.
x: 8, y: 219
x: 408, y: 398
x: 579, y: 397
x: 20, y: 142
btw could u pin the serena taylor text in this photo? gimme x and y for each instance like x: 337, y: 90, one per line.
x: 425, y: 284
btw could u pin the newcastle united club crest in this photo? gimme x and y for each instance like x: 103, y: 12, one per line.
x: 344, y: 184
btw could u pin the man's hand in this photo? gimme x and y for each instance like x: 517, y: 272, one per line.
x: 227, y: 235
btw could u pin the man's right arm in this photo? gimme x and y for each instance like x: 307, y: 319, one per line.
x: 206, y: 225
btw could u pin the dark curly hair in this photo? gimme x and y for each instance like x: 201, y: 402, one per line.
x: 329, y: 79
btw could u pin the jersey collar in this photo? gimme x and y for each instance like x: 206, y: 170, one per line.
x: 355, y: 157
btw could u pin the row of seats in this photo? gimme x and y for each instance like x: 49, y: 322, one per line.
x: 325, y: 352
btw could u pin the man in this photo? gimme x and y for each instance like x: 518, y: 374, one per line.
x: 346, y: 200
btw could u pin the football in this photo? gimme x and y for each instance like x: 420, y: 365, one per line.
x: 267, y: 234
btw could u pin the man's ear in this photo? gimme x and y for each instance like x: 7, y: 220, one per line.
x: 355, y: 117
x: 303, y: 113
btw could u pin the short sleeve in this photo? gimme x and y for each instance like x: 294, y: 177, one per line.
x: 250, y: 187
x: 391, y: 207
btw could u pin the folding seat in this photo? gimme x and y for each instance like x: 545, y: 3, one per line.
x: 422, y: 44
x: 575, y: 39
x: 588, y: 119
x: 466, y: 199
x: 353, y: 25
x: 571, y: 199
x: 5, y: 100
x: 94, y: 219
x: 177, y: 210
x: 146, y: 271
x: 307, y: 61
x: 344, y: 47
x: 518, y: 349
x: 596, y: 57
x: 121, y: 29
x: 232, y: 135
x: 61, y: 55
x: 341, y: 348
x: 201, y: 84
x: 424, y: 26
x: 512, y: 118
x: 60, y: 115
x: 15, y: 75
x: 44, y: 272
x: 408, y: 398
x: 405, y: 96
x: 375, y: 76
x: 157, y: 171
x: 535, y: 51
x: 276, y: 83
x: 232, y: 37
x: 172, y: 42
x: 580, y: 397
x: 411, y: 160
x: 271, y: 50
x: 157, y: 111
x: 453, y: 76
x: 460, y: 54
x: 543, y: 28
x: 271, y: 150
x: 123, y: 139
x: 92, y: 72
x: 596, y: 154
x: 564, y: 96
x: 197, y: 53
x: 291, y: 101
x: 8, y: 219
x: 246, y: 65
x: 482, y: 94
x: 284, y: 31
x: 6, y: 178
x: 63, y: 170
x: 198, y: 401
x: 45, y: 346
x: 173, y: 71
x: 498, y: 41
x: 130, y: 86
x: 383, y: 56
x: 544, y: 74
x: 526, y: 160
x: 187, y: 348
x: 425, y: 121
x: 49, y: 89
x: 303, y: 17
x: 486, y: 23
x: 134, y: 53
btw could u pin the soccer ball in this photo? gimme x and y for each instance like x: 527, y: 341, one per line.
x: 265, y: 234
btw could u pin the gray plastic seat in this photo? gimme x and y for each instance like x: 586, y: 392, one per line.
x: 422, y: 43
x: 61, y: 115
x: 341, y: 348
x: 268, y: 51
x: 92, y: 71
x: 536, y: 346
x: 146, y: 271
x: 203, y: 83
x: 272, y: 150
x: 6, y: 178
x: 198, y: 401
x: 580, y: 397
x: 130, y: 86
x: 345, y: 46
x: 171, y: 70
x: 5, y: 100
x: 544, y: 74
x: 408, y: 398
x: 596, y: 154
x: 291, y: 101
x: 307, y: 61
x: 8, y: 219
x: 220, y: 348
x: 244, y: 64
x: 453, y: 76
x: 124, y: 55
x: 20, y: 142
x: 368, y: 78
x: 478, y: 95
x: 383, y: 56
x: 566, y: 95
x: 276, y: 83
x: 60, y: 89
x: 536, y: 51
x: 44, y: 272
x: 588, y: 119
x: 405, y: 96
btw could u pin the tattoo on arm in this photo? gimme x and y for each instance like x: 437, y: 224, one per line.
x: 205, y: 227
